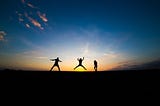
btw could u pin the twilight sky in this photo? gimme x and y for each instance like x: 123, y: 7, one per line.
x: 113, y: 32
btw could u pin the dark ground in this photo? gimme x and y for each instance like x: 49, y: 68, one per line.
x: 147, y: 75
x: 144, y: 82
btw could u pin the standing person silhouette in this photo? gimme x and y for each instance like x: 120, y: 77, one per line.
x: 80, y: 63
x: 56, y: 63
x: 95, y: 65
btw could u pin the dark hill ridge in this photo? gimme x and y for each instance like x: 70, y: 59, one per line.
x: 116, y: 79
x: 122, y: 74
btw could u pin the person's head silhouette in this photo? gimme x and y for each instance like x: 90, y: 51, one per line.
x: 95, y: 61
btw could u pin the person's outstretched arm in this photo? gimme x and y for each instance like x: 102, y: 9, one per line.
x: 60, y: 61
x: 52, y: 59
x: 78, y: 59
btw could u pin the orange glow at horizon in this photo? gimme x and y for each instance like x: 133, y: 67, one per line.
x: 47, y: 66
x: 40, y: 61
x: 43, y: 64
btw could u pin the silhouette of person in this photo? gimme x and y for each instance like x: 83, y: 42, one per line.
x: 95, y: 65
x: 80, y: 63
x: 56, y: 63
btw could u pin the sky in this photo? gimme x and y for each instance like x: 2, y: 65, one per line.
x: 116, y: 33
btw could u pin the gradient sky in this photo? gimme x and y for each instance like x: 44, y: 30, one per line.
x: 109, y: 31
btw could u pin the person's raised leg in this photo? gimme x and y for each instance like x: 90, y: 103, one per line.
x: 84, y: 67
x: 52, y: 67
x: 76, y: 67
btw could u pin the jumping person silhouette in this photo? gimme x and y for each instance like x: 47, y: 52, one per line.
x: 80, y: 63
x: 56, y: 63
x: 95, y: 65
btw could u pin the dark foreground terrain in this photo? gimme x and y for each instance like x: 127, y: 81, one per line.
x: 139, y: 80
x: 147, y: 75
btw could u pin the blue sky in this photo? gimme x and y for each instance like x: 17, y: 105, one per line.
x: 110, y: 31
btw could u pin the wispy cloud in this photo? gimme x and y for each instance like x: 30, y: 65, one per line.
x: 1, y: 37
x: 20, y: 16
x: 34, y: 22
x: 86, y: 49
x: 28, y: 4
x: 23, y: 1
x: 42, y: 57
x: 23, y: 18
x: 111, y: 54
x: 33, y: 54
x: 27, y: 25
x: 42, y: 16
x: 31, y: 5
x: 2, y: 34
x: 130, y: 65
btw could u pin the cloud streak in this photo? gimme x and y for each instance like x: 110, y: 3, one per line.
x: 31, y: 5
x: 42, y: 57
x: 34, y: 54
x: 137, y: 66
x: 20, y: 16
x: 27, y: 25
x: 21, y: 19
x: 30, y: 19
x: 35, y: 23
x: 23, y: 1
x: 86, y: 49
x: 28, y: 4
x: 42, y: 16
x: 2, y: 34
